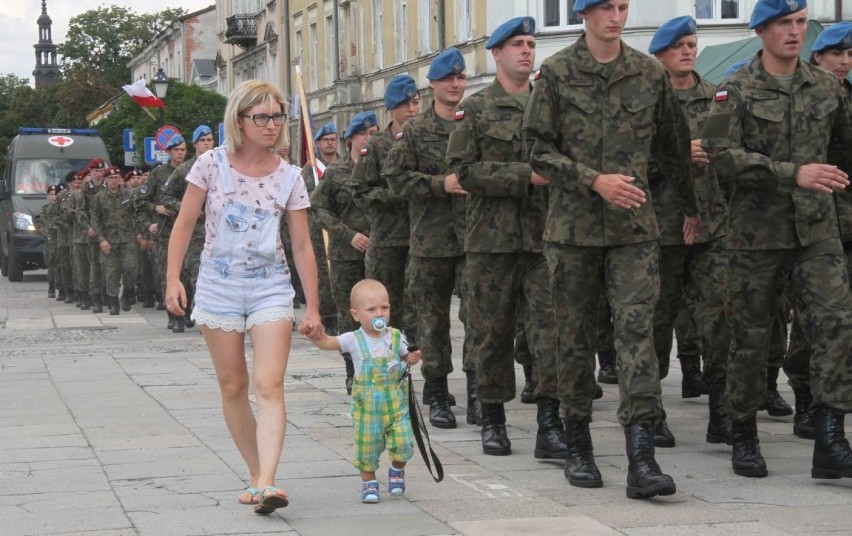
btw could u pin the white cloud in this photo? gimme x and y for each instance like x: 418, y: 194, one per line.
x: 19, y: 29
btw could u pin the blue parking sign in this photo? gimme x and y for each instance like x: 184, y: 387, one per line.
x: 129, y: 141
x: 152, y: 154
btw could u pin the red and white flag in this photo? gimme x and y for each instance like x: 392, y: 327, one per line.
x: 142, y: 96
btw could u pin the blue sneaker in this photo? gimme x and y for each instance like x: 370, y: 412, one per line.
x: 396, y: 481
x: 370, y: 492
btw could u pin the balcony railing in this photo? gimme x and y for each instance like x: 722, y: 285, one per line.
x: 241, y: 30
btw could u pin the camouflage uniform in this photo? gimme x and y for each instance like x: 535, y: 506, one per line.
x: 327, y: 306
x: 79, y: 225
x: 692, y: 275
x: 112, y: 219
x: 415, y: 170
x: 390, y: 228
x: 584, y: 119
x: 149, y: 196
x: 47, y: 227
x: 506, y: 270
x: 779, y: 233
x: 63, y: 240
x: 335, y: 212
x: 144, y: 258
x: 97, y: 285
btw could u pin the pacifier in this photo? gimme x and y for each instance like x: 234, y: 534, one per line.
x: 379, y: 323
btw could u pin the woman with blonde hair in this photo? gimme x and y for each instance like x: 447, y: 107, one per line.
x: 244, y: 284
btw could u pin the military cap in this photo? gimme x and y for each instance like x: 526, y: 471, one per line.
x: 52, y: 188
x: 84, y: 173
x: 583, y: 5
x: 766, y: 11
x: 112, y: 170
x: 736, y: 66
x: 402, y: 88
x: 174, y: 141
x: 669, y: 33
x: 325, y: 130
x: 61, y: 187
x: 135, y: 172
x: 361, y: 122
x: 201, y: 131
x: 511, y: 28
x: 96, y: 163
x: 446, y: 63
x: 838, y: 36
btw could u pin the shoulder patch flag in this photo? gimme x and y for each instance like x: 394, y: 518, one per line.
x: 459, y: 115
x: 537, y: 75
x: 363, y: 151
x: 721, y: 96
x: 399, y: 135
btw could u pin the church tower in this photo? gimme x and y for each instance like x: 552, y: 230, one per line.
x: 47, y: 70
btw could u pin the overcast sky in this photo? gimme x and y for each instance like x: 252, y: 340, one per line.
x: 19, y: 29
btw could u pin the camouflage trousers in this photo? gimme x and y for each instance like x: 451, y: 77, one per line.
x: 80, y: 258
x: 120, y: 267
x: 161, y: 257
x: 51, y: 261
x: 819, y: 290
x: 97, y: 283
x: 344, y: 275
x: 433, y: 280
x: 798, y: 359
x: 66, y: 270
x: 326, y: 298
x: 389, y: 265
x: 630, y: 277
x: 145, y: 279
x: 694, y: 276
x: 505, y: 289
x: 521, y: 351
x: 604, y: 344
x: 686, y: 333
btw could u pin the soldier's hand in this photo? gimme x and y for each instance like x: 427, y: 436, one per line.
x: 153, y: 228
x: 105, y: 247
x: 163, y: 211
x: 699, y: 155
x: 822, y: 177
x: 691, y: 228
x: 538, y: 180
x: 618, y: 190
x: 91, y: 233
x: 452, y: 185
x: 360, y: 242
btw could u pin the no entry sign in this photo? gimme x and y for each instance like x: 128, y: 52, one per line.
x: 164, y: 134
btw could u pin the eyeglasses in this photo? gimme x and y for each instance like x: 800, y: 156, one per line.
x: 262, y: 120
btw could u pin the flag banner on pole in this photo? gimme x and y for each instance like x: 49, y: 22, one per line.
x: 142, y: 96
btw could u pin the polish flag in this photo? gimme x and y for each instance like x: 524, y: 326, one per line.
x: 142, y: 96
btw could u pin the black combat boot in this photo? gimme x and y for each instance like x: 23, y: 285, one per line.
x: 51, y: 289
x: 161, y: 303
x: 350, y: 371
x: 495, y: 441
x: 580, y: 468
x: 180, y: 325
x: 70, y: 296
x: 96, y: 304
x: 645, y: 479
x: 832, y: 456
x: 550, y: 438
x: 719, y: 425
x: 598, y: 392
x: 803, y: 424
x: 132, y: 297
x: 528, y: 392
x: 79, y: 297
x: 774, y: 404
x: 746, y: 458
x: 607, y: 373
x: 125, y: 301
x: 474, y: 406
x: 692, y: 384
x: 114, y: 308
x: 148, y: 302
x: 84, y: 302
x: 60, y: 296
x: 427, y: 394
x: 663, y: 437
x: 440, y: 414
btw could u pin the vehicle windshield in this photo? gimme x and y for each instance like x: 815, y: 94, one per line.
x: 33, y: 176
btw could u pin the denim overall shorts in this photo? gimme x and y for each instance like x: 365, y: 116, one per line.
x: 240, y: 284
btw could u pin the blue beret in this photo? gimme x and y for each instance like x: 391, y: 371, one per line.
x: 446, y: 63
x: 201, y: 131
x: 361, y: 122
x: 838, y: 36
x: 174, y: 141
x: 669, y: 33
x: 325, y: 130
x: 511, y: 28
x: 402, y: 88
x: 736, y: 66
x: 768, y: 10
x: 583, y: 5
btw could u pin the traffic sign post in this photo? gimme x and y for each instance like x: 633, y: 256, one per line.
x: 164, y: 135
x: 131, y: 153
x: 152, y: 154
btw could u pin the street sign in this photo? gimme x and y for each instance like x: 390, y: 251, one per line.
x: 129, y: 141
x: 131, y: 158
x: 221, y: 134
x: 164, y: 134
x: 152, y: 154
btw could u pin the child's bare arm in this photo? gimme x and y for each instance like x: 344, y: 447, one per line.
x: 326, y: 342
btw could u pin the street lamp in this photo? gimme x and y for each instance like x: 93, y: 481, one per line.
x: 161, y: 86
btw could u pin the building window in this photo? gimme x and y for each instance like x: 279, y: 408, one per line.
x: 378, y: 33
x: 329, y: 45
x: 560, y: 15
x: 465, y: 21
x: 298, y: 50
x: 312, y: 42
x: 401, y: 30
x: 717, y: 10
x: 425, y: 25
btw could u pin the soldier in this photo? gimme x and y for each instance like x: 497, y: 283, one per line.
x: 78, y: 219
x: 93, y: 252
x: 348, y: 227
x: 390, y: 229
x: 152, y: 215
x: 63, y: 221
x: 45, y: 226
x: 415, y: 170
x: 692, y: 267
x: 171, y: 196
x: 112, y: 219
x: 506, y: 270
x: 145, y: 269
x: 780, y: 131
x: 598, y: 113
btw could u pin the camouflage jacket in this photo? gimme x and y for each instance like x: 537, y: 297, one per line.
x: 709, y: 194
x: 148, y: 197
x: 389, y: 223
x: 505, y: 213
x: 758, y: 135
x: 63, y: 218
x: 335, y: 212
x: 415, y: 169
x: 173, y: 189
x: 844, y: 198
x: 112, y: 216
x: 89, y: 193
x: 582, y: 122
x: 78, y: 217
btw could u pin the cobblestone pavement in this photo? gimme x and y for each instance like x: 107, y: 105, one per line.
x: 112, y: 426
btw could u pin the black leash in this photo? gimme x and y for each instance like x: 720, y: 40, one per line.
x: 419, y: 427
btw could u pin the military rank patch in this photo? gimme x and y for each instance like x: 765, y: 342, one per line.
x: 398, y: 135
x: 143, y: 189
x: 537, y: 75
x: 363, y: 151
x: 721, y: 96
x: 125, y: 201
x: 165, y: 184
x: 459, y: 115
